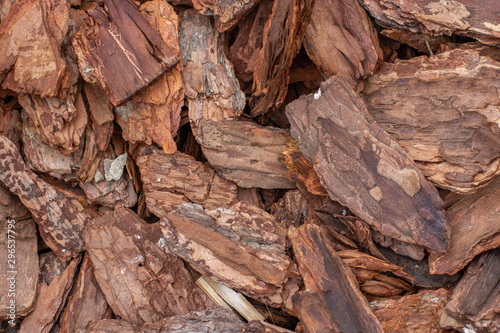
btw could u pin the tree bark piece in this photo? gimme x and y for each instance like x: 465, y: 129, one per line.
x: 418, y: 313
x: 449, y: 124
x: 475, y: 228
x: 212, y: 90
x: 470, y: 18
x: 246, y: 153
x: 32, y: 34
x: 141, y: 282
x: 332, y: 301
x: 228, y: 13
x: 341, y: 40
x: 59, y: 219
x: 242, y: 247
x: 169, y: 180
x: 364, y: 169
x: 50, y: 301
x: 283, y: 36
x: 86, y: 303
x: 121, y: 38
x: 475, y: 303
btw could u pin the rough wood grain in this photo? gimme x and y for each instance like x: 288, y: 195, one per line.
x: 86, y: 302
x: 120, y: 38
x: 283, y: 36
x: 30, y: 35
x: 364, y: 169
x: 242, y: 247
x: 470, y: 18
x: 449, y: 123
x: 212, y: 90
x: 50, y: 301
x: 246, y: 153
x: 227, y: 13
x: 419, y: 41
x: 475, y: 228
x: 341, y: 40
x: 475, y: 303
x: 59, y: 219
x: 331, y: 301
x: 140, y: 281
x: 169, y: 180
x: 418, y: 313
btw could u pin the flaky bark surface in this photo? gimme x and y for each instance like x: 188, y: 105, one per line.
x: 449, y: 123
x: 246, y: 153
x: 283, y: 36
x: 418, y: 313
x: 332, y: 301
x: 30, y: 35
x: 475, y: 228
x: 140, y: 281
x: 364, y: 169
x: 59, y: 219
x: 212, y: 90
x: 169, y: 180
x: 342, y: 41
x: 121, y: 38
x: 470, y: 18
x: 475, y: 302
x: 228, y: 13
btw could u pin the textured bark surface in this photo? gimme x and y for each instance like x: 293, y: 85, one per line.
x: 140, y: 281
x: 475, y: 228
x: 169, y: 180
x: 419, y: 41
x: 60, y: 220
x: 120, y: 38
x: 332, y: 301
x: 418, y: 313
x: 246, y: 153
x: 86, y: 302
x: 212, y: 90
x: 283, y: 36
x: 449, y: 123
x: 32, y: 34
x: 364, y: 169
x: 50, y: 301
x: 475, y: 303
x: 242, y: 247
x: 470, y: 18
x: 342, y: 41
x: 153, y: 115
x: 228, y: 13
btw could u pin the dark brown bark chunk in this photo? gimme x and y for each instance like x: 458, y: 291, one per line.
x: 141, y: 282
x: 246, y: 153
x: 59, y: 219
x: 364, y: 169
x: 342, y: 41
x: 449, y: 123
x: 331, y: 301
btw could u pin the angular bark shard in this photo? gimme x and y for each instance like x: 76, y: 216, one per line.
x: 59, y: 219
x: 341, y: 40
x: 283, y: 36
x: 364, y: 169
x: 475, y: 228
x: 99, y: 105
x: 332, y: 301
x: 121, y: 38
x: 246, y: 153
x: 475, y: 303
x: 141, y: 282
x: 212, y: 90
x: 50, y: 301
x: 228, y: 13
x: 169, y: 180
x: 449, y: 123
x: 470, y: 18
x: 418, y: 313
x: 31, y: 36
x: 242, y: 247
